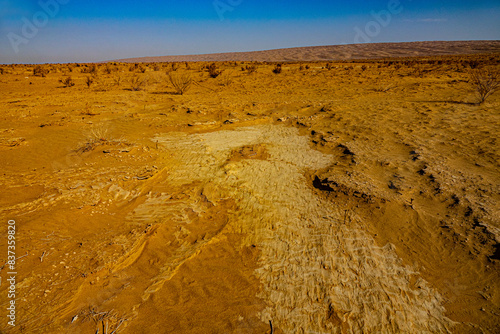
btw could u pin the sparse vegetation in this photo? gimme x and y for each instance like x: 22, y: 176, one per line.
x: 180, y: 82
x: 484, y: 83
x: 226, y: 79
x: 251, y: 68
x: 138, y: 83
x: 174, y: 66
x: 89, y: 80
x: 277, y: 69
x: 92, y: 69
x: 67, y: 82
x: 213, y: 70
x: 106, y: 322
x: 40, y: 71
x: 117, y: 79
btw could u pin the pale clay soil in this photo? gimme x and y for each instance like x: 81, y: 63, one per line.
x: 324, y: 201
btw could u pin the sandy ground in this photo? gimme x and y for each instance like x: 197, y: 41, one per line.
x: 341, y: 52
x: 361, y: 198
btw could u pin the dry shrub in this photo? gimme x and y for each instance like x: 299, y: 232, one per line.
x: 251, y: 68
x: 226, y: 79
x: 108, y: 69
x: 277, y: 69
x: 67, y: 82
x: 89, y: 80
x: 213, y: 70
x: 92, y: 69
x: 41, y: 71
x: 484, y: 83
x: 174, y: 66
x: 106, y: 322
x: 138, y: 83
x: 180, y: 82
x: 117, y: 80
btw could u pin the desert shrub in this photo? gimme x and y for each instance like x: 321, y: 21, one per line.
x: 40, y: 71
x: 473, y: 64
x: 328, y: 66
x: 226, y: 79
x: 251, y: 68
x: 92, y: 69
x: 180, y: 82
x: 106, y: 322
x: 108, y: 69
x: 174, y: 66
x: 277, y: 69
x: 308, y: 67
x: 484, y: 82
x: 117, y: 80
x: 363, y: 68
x: 89, y: 80
x: 138, y: 83
x: 213, y: 70
x: 67, y: 82
x: 2, y: 71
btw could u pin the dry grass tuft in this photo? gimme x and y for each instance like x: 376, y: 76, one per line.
x: 107, y: 322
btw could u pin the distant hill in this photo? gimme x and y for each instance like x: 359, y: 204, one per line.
x: 340, y: 52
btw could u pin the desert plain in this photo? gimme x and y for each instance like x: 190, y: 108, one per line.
x: 355, y: 196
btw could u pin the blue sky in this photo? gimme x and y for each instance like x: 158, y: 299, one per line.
x: 85, y: 31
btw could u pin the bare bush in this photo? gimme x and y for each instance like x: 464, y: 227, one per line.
x: 484, y: 83
x: 277, y: 69
x: 41, y: 71
x: 251, y: 68
x: 226, y: 79
x: 67, y: 82
x: 174, y: 66
x: 181, y: 82
x: 138, y: 83
x: 92, y: 69
x: 89, y: 80
x: 117, y: 80
x: 106, y: 322
x: 213, y: 70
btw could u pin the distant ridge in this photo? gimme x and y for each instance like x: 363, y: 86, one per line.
x: 340, y: 52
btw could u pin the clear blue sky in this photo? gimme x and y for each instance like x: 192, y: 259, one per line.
x: 91, y: 30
